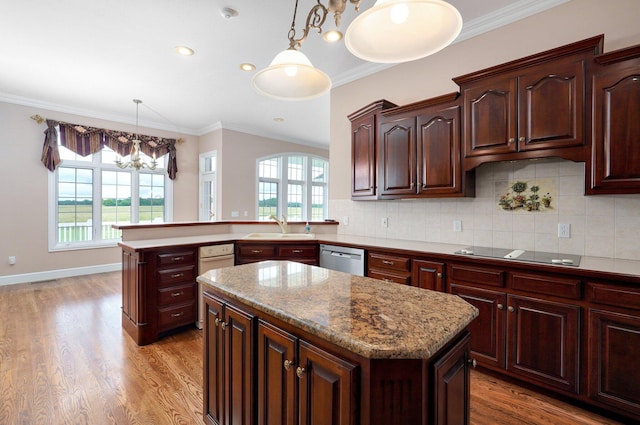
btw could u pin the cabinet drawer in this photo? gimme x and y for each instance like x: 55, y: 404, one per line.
x: 174, y: 276
x: 294, y: 251
x: 391, y: 262
x: 176, y: 258
x: 541, y: 284
x: 257, y: 251
x: 177, y: 294
x: 174, y: 316
x: 404, y: 279
x: 613, y: 295
x: 478, y: 276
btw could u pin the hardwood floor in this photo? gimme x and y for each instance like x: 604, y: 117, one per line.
x: 64, y: 359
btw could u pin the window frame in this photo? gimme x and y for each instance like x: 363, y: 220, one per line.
x: 96, y: 165
x: 283, y: 184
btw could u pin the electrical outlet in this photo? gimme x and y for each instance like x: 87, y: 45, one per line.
x: 12, y: 260
x: 385, y: 222
x: 457, y: 225
x: 564, y: 230
x: 235, y: 213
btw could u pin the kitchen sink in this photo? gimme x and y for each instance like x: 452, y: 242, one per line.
x: 286, y: 236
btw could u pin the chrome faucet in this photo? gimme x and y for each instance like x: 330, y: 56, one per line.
x: 284, y: 226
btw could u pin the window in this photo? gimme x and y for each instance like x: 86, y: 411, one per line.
x: 295, y: 185
x: 208, y: 186
x: 87, y: 195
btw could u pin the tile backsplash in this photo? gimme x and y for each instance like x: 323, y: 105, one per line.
x: 601, y: 226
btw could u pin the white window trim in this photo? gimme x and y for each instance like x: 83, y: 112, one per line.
x: 283, y: 182
x: 202, y: 211
x: 52, y: 183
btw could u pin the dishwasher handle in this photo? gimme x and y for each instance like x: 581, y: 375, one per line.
x: 343, y: 255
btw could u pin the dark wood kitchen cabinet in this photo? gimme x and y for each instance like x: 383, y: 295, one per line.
x: 614, y: 345
x: 533, y: 338
x: 614, y: 166
x: 428, y: 274
x: 228, y: 366
x: 364, y: 124
x: 299, y: 251
x: 299, y: 380
x: 388, y: 266
x: 158, y: 291
x: 418, y: 148
x: 529, y: 108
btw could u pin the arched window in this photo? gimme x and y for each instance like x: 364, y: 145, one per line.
x: 295, y: 185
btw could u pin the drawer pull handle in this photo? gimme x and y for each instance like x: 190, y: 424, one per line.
x: 178, y: 314
x: 511, y: 309
x: 177, y: 275
x: 297, y: 251
x: 500, y: 307
x: 256, y: 251
x: 178, y: 258
x: 177, y: 294
x: 387, y: 262
x: 300, y: 372
x: 288, y: 364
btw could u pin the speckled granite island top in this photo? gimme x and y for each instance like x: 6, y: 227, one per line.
x: 369, y: 317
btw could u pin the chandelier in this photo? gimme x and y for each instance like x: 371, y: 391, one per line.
x: 134, y: 160
x: 392, y: 31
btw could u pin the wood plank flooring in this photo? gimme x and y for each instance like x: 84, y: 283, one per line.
x: 64, y: 359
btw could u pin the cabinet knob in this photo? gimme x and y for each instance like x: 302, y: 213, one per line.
x: 473, y: 363
x: 300, y: 372
x: 288, y: 364
x: 522, y: 139
x: 511, y: 140
x: 412, y: 185
x: 511, y: 309
x: 223, y: 325
x: 439, y: 275
x: 500, y: 307
x: 217, y: 322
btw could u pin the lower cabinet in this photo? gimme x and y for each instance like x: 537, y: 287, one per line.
x: 301, y: 383
x: 229, y: 364
x: 427, y: 274
x: 452, y: 386
x: 389, y: 267
x: 299, y: 251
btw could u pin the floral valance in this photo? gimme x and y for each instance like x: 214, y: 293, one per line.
x: 85, y: 140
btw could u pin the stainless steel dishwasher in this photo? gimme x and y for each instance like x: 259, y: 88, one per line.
x: 342, y: 259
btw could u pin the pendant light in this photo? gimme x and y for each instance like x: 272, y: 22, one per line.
x: 395, y: 31
x: 135, y: 160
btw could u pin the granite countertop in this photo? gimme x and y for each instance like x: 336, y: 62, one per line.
x: 366, y: 316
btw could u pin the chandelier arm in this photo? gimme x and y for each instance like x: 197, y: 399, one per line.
x: 315, y: 19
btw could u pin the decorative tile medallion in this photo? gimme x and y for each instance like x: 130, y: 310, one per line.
x: 526, y: 195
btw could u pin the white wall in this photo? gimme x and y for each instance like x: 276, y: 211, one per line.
x: 606, y: 226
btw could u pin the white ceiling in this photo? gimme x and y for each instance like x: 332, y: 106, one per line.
x: 92, y: 58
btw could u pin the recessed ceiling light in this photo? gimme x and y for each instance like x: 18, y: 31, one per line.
x: 332, y: 36
x: 278, y: 119
x: 184, y: 50
x: 247, y: 67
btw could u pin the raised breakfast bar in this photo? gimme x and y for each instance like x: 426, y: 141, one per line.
x: 289, y: 343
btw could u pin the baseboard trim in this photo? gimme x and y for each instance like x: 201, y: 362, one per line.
x: 60, y: 273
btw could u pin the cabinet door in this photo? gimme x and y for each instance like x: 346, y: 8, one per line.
x: 552, y: 106
x: 615, y: 158
x: 438, y: 152
x: 276, y: 376
x: 488, y: 329
x: 543, y: 341
x: 363, y: 156
x: 239, y: 363
x: 491, y: 117
x: 396, y: 152
x: 213, y: 362
x: 428, y: 275
x: 614, y: 349
x: 452, y: 386
x: 327, y: 388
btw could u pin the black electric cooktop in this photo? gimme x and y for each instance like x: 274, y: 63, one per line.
x: 522, y: 255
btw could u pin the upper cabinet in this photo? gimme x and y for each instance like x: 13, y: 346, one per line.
x: 363, y: 149
x: 418, y: 150
x: 530, y: 108
x: 614, y: 166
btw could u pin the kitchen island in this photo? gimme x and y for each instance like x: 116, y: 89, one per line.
x: 289, y: 343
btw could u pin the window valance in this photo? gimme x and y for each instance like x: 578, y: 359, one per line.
x: 85, y: 140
